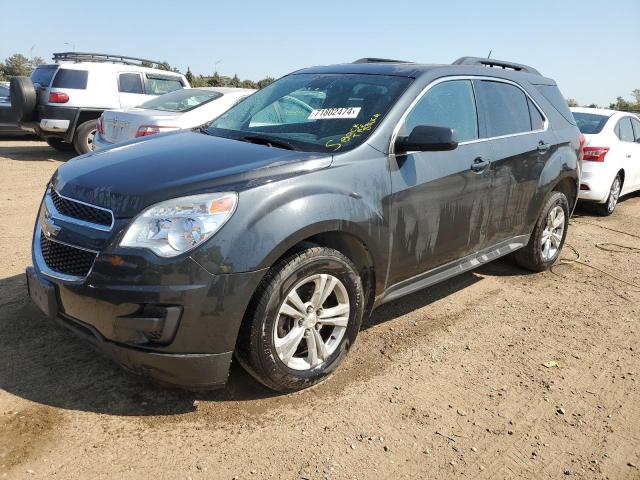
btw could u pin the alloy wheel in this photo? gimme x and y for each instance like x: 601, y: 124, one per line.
x: 90, y: 138
x: 614, y: 195
x: 312, y: 322
x: 553, y: 232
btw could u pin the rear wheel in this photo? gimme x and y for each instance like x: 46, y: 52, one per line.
x: 305, y: 316
x: 548, y: 236
x: 59, y: 145
x: 607, y: 208
x: 83, y: 138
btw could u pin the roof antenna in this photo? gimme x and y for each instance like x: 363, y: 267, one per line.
x: 490, y: 52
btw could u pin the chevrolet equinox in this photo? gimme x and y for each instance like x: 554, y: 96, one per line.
x: 269, y: 234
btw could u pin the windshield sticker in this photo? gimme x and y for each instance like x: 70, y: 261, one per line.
x: 356, y: 130
x: 332, y: 113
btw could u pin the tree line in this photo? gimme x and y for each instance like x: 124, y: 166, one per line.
x: 18, y: 65
x: 620, y: 104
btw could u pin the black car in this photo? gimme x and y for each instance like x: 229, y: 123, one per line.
x: 270, y: 234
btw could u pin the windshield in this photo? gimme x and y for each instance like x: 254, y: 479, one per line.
x: 590, y: 123
x: 313, y: 112
x: 181, y: 100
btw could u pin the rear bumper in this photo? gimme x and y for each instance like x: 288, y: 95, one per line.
x: 54, y: 125
x: 99, y: 143
x: 594, y: 188
x: 596, y: 181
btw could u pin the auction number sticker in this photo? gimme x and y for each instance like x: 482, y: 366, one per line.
x: 332, y: 113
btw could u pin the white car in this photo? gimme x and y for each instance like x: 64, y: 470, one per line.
x: 611, y: 162
x: 182, y: 109
x: 62, y: 101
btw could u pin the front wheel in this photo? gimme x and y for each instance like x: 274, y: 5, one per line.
x: 305, y: 316
x: 548, y: 236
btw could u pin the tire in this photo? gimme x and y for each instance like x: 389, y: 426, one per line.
x: 59, y: 145
x: 23, y: 98
x: 83, y: 138
x: 276, y: 347
x: 607, y: 208
x: 547, y: 240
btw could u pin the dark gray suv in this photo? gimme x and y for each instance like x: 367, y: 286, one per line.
x: 268, y: 235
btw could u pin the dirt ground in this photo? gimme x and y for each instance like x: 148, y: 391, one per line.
x: 449, y: 382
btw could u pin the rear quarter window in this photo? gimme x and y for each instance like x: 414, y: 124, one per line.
x: 555, y: 98
x: 74, y: 79
x: 42, y: 75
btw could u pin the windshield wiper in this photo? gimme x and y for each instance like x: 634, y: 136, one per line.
x: 269, y: 141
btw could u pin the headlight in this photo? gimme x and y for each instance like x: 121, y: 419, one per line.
x: 178, y: 225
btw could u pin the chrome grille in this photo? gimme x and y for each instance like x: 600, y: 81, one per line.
x: 80, y: 211
x: 66, y: 259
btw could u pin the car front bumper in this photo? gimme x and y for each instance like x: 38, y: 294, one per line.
x: 199, y: 351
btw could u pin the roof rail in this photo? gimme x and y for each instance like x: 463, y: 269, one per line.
x: 490, y: 62
x: 102, y: 57
x: 378, y: 60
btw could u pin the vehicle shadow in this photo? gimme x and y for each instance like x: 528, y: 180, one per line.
x: 34, y: 150
x: 45, y: 363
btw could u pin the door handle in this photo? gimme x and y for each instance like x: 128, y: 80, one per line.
x: 628, y: 155
x: 479, y: 164
x: 543, y: 147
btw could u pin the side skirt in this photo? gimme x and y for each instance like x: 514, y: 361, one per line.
x: 451, y: 269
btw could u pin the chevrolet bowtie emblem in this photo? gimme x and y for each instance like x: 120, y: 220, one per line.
x: 49, y: 228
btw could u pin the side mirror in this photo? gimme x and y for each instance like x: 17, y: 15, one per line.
x: 427, y: 138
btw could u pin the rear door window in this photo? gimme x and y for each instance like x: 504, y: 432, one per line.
x: 68, y: 78
x: 503, y: 108
x: 625, y: 130
x: 448, y: 104
x: 636, y: 128
x: 157, y: 85
x: 130, y: 83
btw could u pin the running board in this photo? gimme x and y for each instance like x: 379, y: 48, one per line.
x: 452, y: 269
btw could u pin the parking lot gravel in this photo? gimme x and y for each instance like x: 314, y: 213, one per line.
x: 498, y: 373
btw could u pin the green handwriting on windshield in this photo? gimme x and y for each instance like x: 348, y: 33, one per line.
x: 356, y: 130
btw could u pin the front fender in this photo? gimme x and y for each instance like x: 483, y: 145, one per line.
x: 272, y: 218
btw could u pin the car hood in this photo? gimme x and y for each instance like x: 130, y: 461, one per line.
x: 129, y: 177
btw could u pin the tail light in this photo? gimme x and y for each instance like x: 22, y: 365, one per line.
x: 595, y: 154
x: 100, y: 125
x: 583, y: 140
x: 145, y: 130
x: 58, y: 97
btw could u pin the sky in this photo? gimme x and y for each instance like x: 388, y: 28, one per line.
x: 590, y: 47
